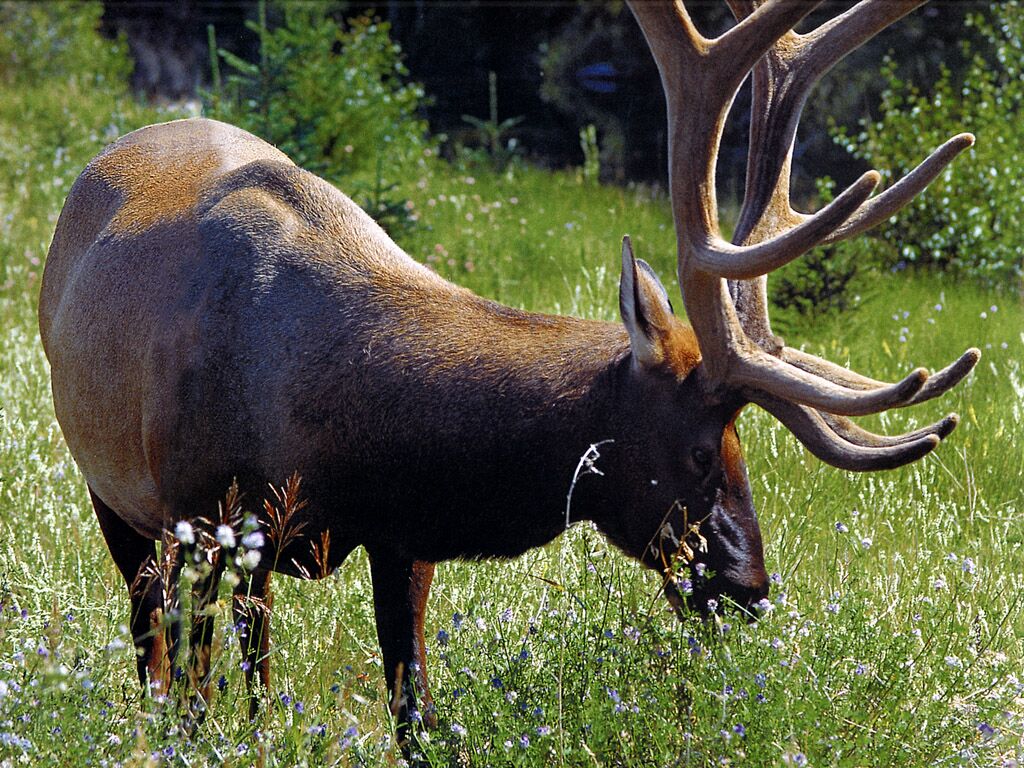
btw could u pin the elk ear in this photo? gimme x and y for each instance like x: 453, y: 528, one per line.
x: 645, y: 308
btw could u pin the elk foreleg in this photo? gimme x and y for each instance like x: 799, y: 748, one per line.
x: 400, y: 591
x: 251, y: 605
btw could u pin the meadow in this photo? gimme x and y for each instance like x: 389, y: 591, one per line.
x: 895, y: 633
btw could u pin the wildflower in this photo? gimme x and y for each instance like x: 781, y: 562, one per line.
x: 685, y: 586
x: 459, y: 730
x: 953, y: 661
x: 524, y: 741
x: 632, y: 633
x: 225, y: 536
x: 222, y: 683
x: 860, y: 669
x: 251, y: 559
x: 457, y: 620
x: 968, y: 566
x: 699, y: 569
x: 939, y: 583
x: 764, y: 605
x: 986, y: 730
x: 184, y: 533
x: 712, y: 605
x: 841, y: 527
x: 739, y: 730
x: 832, y: 608
x: 481, y: 624
x: 442, y: 637
x: 775, y: 578
x: 543, y: 730
x: 317, y: 730
x: 866, y: 542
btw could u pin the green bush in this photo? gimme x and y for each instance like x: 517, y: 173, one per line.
x: 334, y: 97
x: 63, y: 95
x: 49, y: 41
x: 967, y: 222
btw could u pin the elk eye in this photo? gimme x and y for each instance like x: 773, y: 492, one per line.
x: 702, y: 459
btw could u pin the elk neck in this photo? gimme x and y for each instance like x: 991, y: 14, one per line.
x: 484, y: 412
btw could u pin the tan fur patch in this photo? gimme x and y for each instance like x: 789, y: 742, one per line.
x: 154, y: 188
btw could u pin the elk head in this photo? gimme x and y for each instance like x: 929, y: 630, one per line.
x: 724, y: 283
x: 685, y: 497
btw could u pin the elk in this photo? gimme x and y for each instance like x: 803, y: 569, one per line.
x: 214, y: 314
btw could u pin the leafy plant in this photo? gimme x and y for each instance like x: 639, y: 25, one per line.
x: 967, y: 221
x: 333, y: 96
x: 493, y: 134
x: 43, y: 41
x: 591, y: 169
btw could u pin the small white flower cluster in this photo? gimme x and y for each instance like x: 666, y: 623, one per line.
x: 247, y: 557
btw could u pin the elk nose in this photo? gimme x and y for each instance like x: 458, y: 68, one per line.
x: 747, y: 591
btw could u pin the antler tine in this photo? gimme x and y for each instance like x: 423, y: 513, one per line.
x: 937, y: 383
x: 750, y: 261
x: 892, y: 200
x: 852, y: 432
x: 810, y: 428
x: 761, y: 372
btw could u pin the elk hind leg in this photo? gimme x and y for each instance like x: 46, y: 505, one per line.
x: 154, y: 637
x: 252, y: 602
x: 204, y: 598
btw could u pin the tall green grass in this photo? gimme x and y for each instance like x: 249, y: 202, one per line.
x: 895, y: 635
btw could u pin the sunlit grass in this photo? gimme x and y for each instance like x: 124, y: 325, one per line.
x: 895, y: 634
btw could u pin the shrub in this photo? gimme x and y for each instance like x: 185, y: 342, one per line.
x: 335, y: 98
x: 966, y: 222
x: 48, y: 41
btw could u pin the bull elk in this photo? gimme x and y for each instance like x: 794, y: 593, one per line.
x: 213, y: 313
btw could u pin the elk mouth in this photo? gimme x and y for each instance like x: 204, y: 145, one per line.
x: 707, y: 596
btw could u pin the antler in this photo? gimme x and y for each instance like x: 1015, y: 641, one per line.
x: 700, y: 76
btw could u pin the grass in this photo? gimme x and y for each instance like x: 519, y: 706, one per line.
x: 896, y: 630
